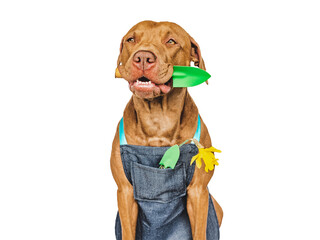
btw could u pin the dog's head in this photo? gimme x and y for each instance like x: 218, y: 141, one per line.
x: 148, y: 53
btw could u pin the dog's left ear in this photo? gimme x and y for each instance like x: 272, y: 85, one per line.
x: 196, y: 54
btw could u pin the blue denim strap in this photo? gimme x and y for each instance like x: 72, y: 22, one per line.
x: 123, y: 139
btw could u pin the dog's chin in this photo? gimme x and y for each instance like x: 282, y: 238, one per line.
x: 145, y: 88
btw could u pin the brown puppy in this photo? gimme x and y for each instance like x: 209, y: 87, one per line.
x: 159, y: 115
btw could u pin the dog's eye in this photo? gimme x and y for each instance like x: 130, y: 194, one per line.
x: 171, y: 41
x: 131, y: 39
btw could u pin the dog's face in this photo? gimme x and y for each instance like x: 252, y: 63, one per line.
x: 148, y: 53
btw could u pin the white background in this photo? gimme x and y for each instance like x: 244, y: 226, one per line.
x: 60, y: 104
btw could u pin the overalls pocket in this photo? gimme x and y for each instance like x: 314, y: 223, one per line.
x: 158, y: 185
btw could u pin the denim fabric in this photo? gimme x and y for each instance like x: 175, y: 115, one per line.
x: 161, y: 194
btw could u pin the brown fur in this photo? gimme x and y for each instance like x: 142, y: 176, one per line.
x: 161, y: 119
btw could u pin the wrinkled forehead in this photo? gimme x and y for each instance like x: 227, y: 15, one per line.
x: 150, y: 29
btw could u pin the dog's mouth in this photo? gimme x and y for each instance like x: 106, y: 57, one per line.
x: 145, y: 88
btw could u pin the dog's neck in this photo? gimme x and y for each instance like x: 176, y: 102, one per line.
x: 163, y: 121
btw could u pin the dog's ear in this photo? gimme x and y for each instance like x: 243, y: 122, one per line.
x: 196, y: 54
x: 119, y: 57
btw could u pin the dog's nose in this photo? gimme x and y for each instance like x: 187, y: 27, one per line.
x: 144, y: 60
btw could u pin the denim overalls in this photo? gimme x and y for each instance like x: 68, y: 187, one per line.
x: 161, y: 193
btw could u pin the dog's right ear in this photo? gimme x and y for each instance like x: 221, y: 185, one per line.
x: 119, y: 57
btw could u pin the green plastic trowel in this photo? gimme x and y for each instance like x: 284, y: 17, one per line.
x: 184, y: 76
